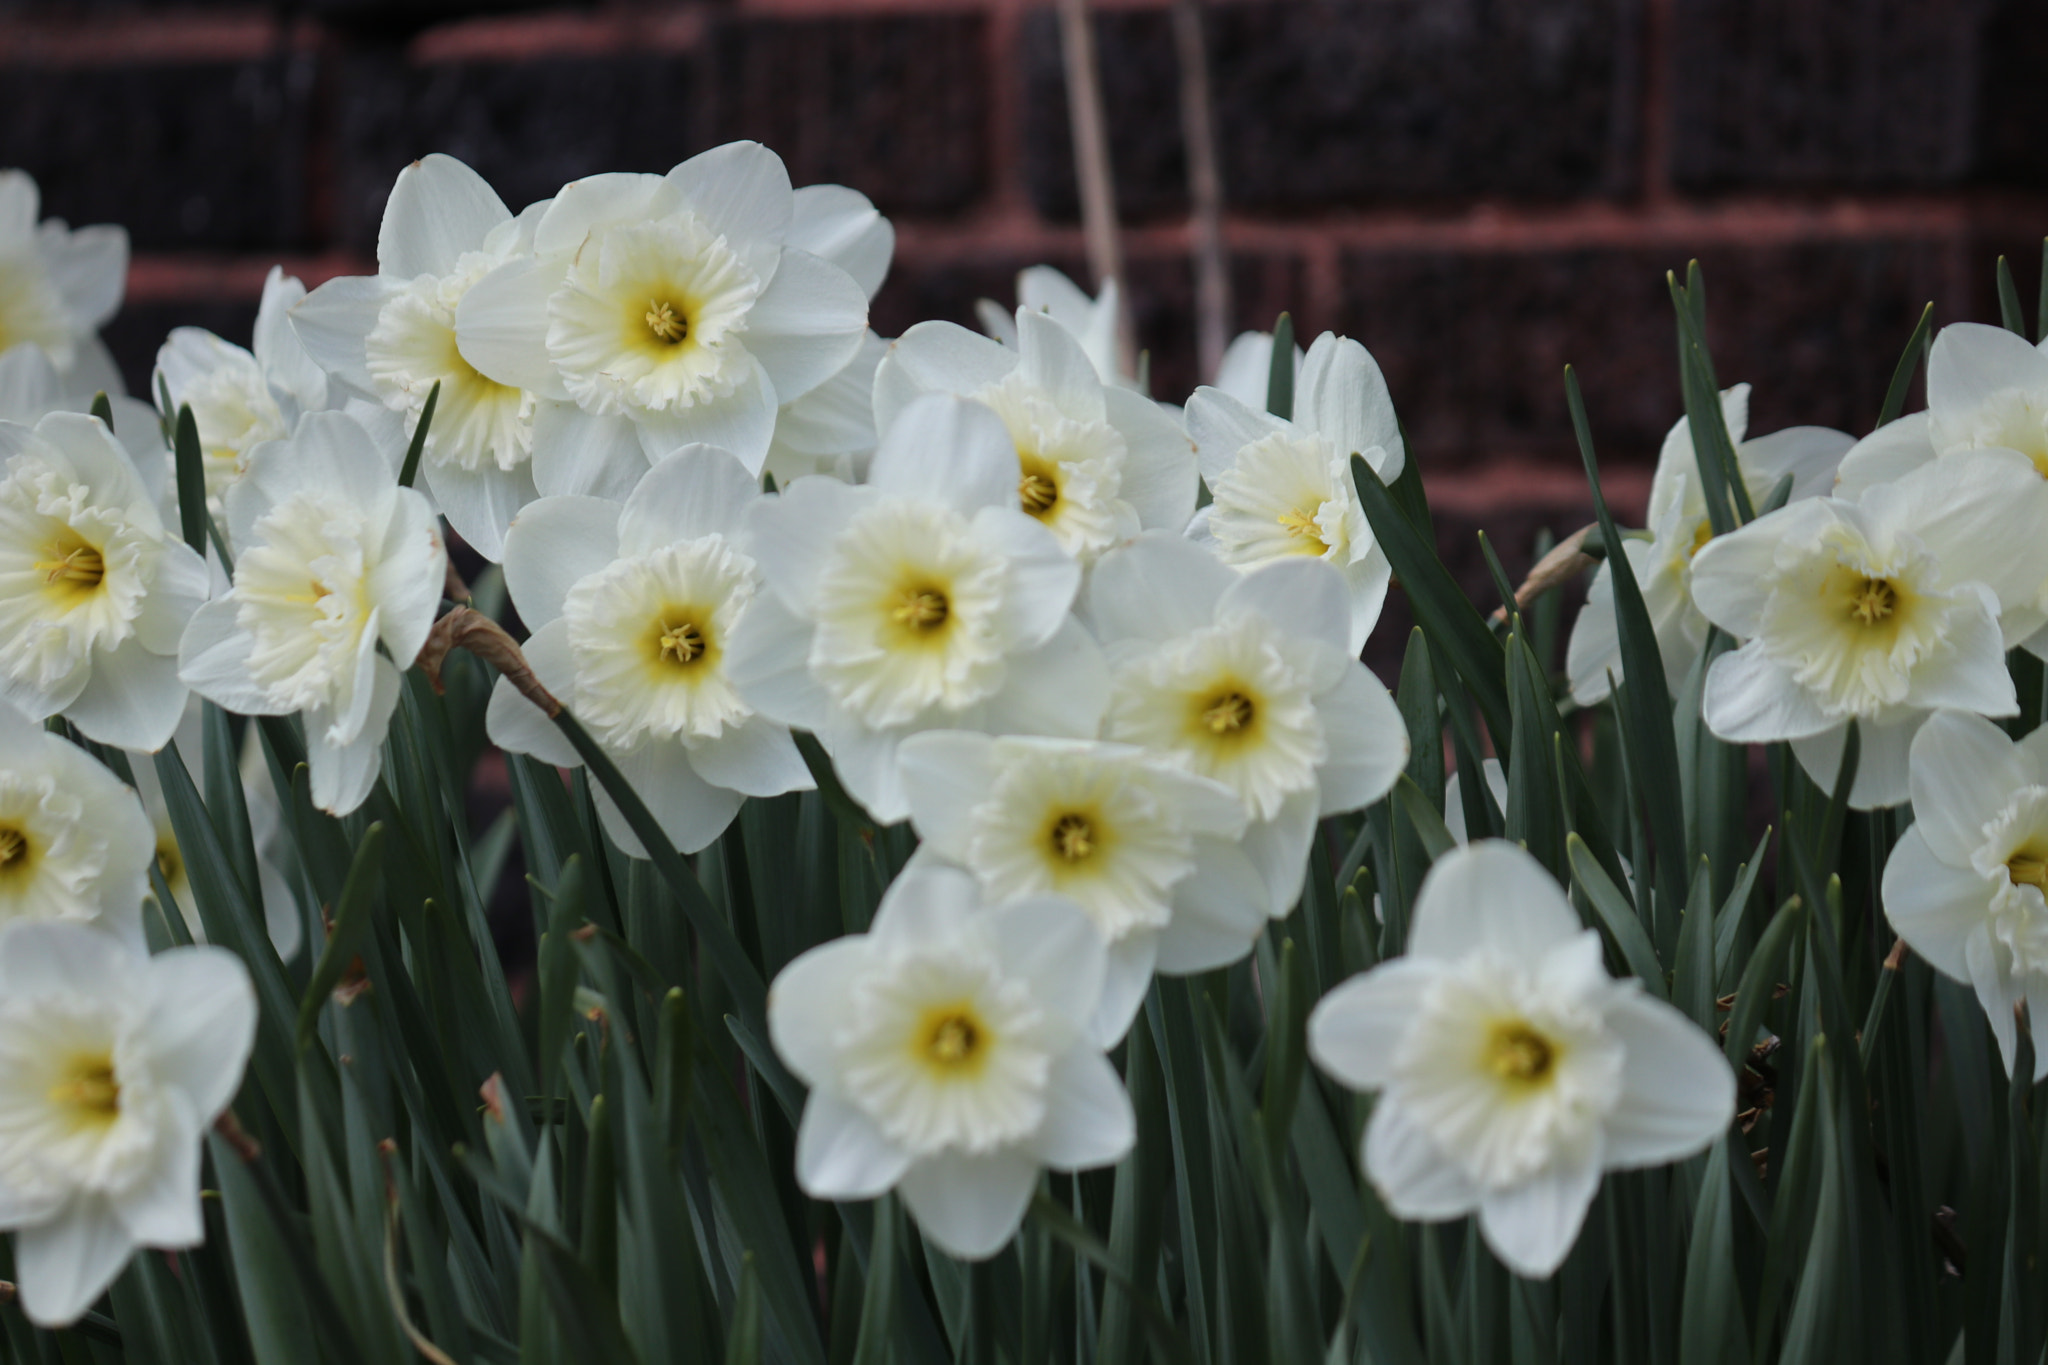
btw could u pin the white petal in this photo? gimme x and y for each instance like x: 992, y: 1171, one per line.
x: 133, y: 700
x: 1595, y: 648
x: 1278, y: 848
x: 1532, y: 1226
x: 1677, y: 1093
x: 1971, y: 362
x: 1891, y: 452
x: 936, y: 357
x: 1219, y: 910
x: 181, y: 588
x: 580, y: 452
x: 1088, y: 1121
x: 64, y: 1265
x: 691, y: 812
x: 840, y: 1154
x: 46, y: 957
x: 757, y: 758
x: 1882, y: 762
x: 1050, y: 358
x: 342, y: 774
x: 1414, y: 1178
x: 411, y: 572
x: 1159, y: 480
x: 970, y: 1205
x: 1810, y: 455
x: 332, y: 321
x: 1355, y: 1030
x: 89, y: 268
x: 1155, y: 588
x: 698, y: 491
x: 1731, y: 573
x: 1042, y: 579
x: 946, y: 773
x: 1343, y: 397
x: 480, y: 503
x: 1054, y: 948
x: 1976, y: 511
x: 1061, y: 688
x: 438, y: 209
x: 742, y: 422
x: 280, y: 354
x: 594, y: 200
x: 809, y: 1003
x: 807, y: 324
x: 768, y: 660
x: 1934, y: 905
x: 865, y: 761
x: 1964, y: 770
x: 1490, y: 892
x: 1221, y: 426
x: 163, y: 1209
x: 213, y: 660
x: 1997, y: 992
x: 946, y: 450
x: 1368, y: 742
x: 1126, y: 979
x: 842, y: 225
x: 1304, y: 597
x: 501, y: 327
x: 514, y: 723
x: 741, y: 190
x: 1751, y: 699
x: 554, y: 543
x: 791, y: 534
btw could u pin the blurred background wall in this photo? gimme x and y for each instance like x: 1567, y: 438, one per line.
x: 1480, y: 190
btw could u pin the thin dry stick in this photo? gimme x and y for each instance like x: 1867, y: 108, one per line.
x: 1091, y: 167
x: 464, y: 628
x: 1566, y: 560
x: 1205, y: 189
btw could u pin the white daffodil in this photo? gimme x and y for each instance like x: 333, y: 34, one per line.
x: 1679, y: 527
x: 1964, y: 884
x: 333, y: 560
x: 1147, y: 848
x: 1248, y: 679
x: 112, y: 1066
x: 633, y: 611
x: 74, y: 842
x: 1246, y: 370
x: 921, y: 600
x: 1877, y: 610
x: 31, y: 389
x: 1986, y: 389
x: 242, y: 398
x: 1283, y: 489
x: 1512, y: 1069
x: 1092, y: 322
x: 59, y: 285
x: 94, y: 588
x: 657, y: 311
x: 391, y: 337
x: 1097, y: 464
x: 948, y: 1056
x: 831, y: 429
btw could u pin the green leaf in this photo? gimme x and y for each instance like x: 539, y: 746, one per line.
x: 191, y: 469
x: 743, y: 1342
x: 1693, y: 977
x: 1909, y: 361
x: 1280, y: 374
x: 2009, y: 312
x: 1428, y: 824
x: 1760, y: 980
x: 1713, y: 1329
x: 351, y: 927
x: 1286, y: 1045
x: 411, y: 468
x: 103, y: 408
x: 1617, y: 915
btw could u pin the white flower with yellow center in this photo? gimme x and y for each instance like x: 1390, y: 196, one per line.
x: 1964, y: 886
x: 633, y: 610
x: 1283, y: 489
x: 657, y: 311
x: 1247, y: 679
x: 948, y: 1057
x: 112, y: 1066
x: 1050, y: 294
x: 333, y: 560
x: 242, y: 398
x: 59, y: 285
x: 390, y: 337
x: 74, y: 842
x: 1147, y: 848
x: 1096, y: 463
x: 923, y: 599
x: 1512, y: 1069
x: 1878, y: 611
x: 94, y: 588
x: 1679, y: 528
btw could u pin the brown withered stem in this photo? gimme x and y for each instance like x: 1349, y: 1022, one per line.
x: 464, y: 628
x: 1565, y: 561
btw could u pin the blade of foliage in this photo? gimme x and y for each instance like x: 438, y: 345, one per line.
x: 1280, y: 374
x: 1909, y: 363
x: 351, y: 927
x: 409, y: 471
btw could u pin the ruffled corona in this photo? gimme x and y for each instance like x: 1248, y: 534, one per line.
x: 478, y: 422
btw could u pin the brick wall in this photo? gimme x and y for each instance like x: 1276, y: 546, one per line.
x: 1480, y: 190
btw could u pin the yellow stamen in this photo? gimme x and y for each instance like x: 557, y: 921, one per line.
x: 682, y: 644
x: 921, y: 609
x: 1519, y: 1053
x: 90, y: 1087
x: 1073, y: 837
x: 1037, y: 493
x: 951, y: 1038
x: 13, y: 847
x: 1303, y: 526
x: 2028, y: 868
x: 81, y: 567
x: 1874, y: 602
x: 1701, y: 534
x: 667, y: 325
x: 169, y: 860
x: 1228, y: 713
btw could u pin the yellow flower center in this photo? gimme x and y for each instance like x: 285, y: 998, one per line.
x: 14, y: 851
x: 1037, y: 493
x: 920, y: 609
x: 951, y: 1039
x: 1228, y: 713
x: 169, y: 860
x: 1519, y: 1054
x: 682, y: 644
x: 1073, y: 836
x: 2029, y: 867
x: 1875, y: 601
x: 667, y: 325
x: 1701, y: 534
x: 1302, y: 526
x: 73, y: 571
x: 88, y: 1089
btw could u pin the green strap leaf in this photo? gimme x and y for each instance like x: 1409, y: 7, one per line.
x: 411, y: 468
x: 351, y: 929
x: 1909, y: 362
x: 1280, y: 374
x: 191, y: 467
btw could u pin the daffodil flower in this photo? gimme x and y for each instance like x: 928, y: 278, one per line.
x: 1249, y: 680
x: 334, y: 560
x: 74, y: 842
x: 58, y: 286
x: 948, y: 1056
x: 1878, y: 610
x: 1050, y: 294
x: 1146, y: 848
x: 242, y: 398
x: 1512, y: 1069
x: 112, y: 1065
x: 1283, y: 489
x: 1964, y: 884
x: 923, y: 599
x: 1679, y: 528
x: 1097, y: 463
x: 670, y: 310
x: 633, y: 610
x: 94, y: 588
